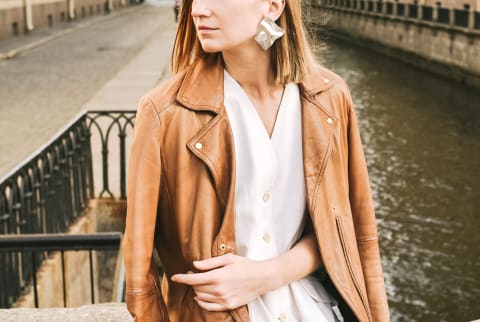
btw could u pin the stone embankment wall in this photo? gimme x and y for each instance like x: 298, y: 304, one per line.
x: 441, y: 40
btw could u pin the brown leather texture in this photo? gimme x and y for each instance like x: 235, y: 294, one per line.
x: 181, y: 182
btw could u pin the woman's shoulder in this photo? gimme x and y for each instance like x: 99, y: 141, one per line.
x: 328, y: 88
x: 165, y: 93
x: 323, y: 79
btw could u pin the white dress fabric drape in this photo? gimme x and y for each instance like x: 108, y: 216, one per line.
x: 270, y: 201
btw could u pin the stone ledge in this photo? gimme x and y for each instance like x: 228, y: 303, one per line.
x: 106, y: 312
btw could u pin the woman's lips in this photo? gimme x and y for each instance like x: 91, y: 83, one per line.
x: 206, y: 28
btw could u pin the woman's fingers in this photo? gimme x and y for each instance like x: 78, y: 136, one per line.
x: 207, y: 297
x: 211, y: 306
x: 205, y: 265
x: 214, y: 262
x: 194, y: 278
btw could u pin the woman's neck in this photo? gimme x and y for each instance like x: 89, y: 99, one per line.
x: 251, y: 67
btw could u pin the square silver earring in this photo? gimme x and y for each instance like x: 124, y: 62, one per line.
x: 268, y: 31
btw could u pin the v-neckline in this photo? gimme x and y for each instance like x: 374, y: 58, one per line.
x: 254, y: 111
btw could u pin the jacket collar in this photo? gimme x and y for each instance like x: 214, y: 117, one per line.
x: 202, y: 87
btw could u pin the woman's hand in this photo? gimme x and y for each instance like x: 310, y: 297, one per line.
x: 229, y: 281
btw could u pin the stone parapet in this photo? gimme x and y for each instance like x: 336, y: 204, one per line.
x: 106, y: 312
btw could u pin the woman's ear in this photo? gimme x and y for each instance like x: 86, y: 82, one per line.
x: 276, y: 9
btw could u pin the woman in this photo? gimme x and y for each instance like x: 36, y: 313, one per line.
x: 247, y: 176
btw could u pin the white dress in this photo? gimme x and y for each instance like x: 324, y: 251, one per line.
x: 270, y: 201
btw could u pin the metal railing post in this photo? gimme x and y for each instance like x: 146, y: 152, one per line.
x: 34, y: 274
x: 92, y: 287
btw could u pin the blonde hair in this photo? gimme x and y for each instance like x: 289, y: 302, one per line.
x: 292, y: 56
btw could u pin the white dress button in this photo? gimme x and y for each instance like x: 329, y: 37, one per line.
x: 282, y: 317
x: 267, y: 238
x: 326, y: 80
x: 266, y: 196
x: 329, y: 120
x: 199, y: 145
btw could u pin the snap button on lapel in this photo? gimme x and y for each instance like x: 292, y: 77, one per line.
x: 199, y: 145
x: 222, y: 247
x: 329, y: 120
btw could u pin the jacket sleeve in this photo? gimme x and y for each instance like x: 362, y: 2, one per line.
x: 364, y: 219
x: 143, y: 294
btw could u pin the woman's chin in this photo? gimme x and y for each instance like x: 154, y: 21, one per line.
x: 211, y: 48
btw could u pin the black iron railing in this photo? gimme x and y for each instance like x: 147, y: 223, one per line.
x: 48, y: 192
x: 29, y: 247
x: 443, y: 15
x: 427, y: 13
x: 56, y: 180
x: 463, y: 18
x: 108, y: 123
x: 413, y: 11
x: 400, y: 9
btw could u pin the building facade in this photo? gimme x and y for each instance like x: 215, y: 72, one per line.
x: 23, y: 16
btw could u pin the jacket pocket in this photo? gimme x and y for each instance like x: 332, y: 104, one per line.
x: 350, y: 267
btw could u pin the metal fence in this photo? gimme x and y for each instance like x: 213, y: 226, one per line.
x: 400, y: 9
x: 50, y: 190
x: 455, y: 17
x: 15, y: 249
x: 412, y: 11
x: 427, y: 13
x: 443, y: 15
x: 47, y: 192
x: 461, y: 18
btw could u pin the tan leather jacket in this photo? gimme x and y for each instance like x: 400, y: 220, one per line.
x: 181, y: 195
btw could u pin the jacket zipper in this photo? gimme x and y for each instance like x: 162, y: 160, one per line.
x: 350, y: 268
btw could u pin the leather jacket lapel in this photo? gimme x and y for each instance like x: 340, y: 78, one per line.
x: 317, y: 136
x: 214, y: 146
x: 202, y: 91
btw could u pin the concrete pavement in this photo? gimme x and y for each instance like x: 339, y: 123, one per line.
x: 146, y: 69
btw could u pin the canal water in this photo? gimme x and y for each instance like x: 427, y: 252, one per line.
x: 421, y: 135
